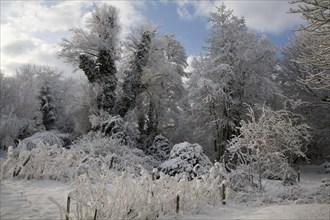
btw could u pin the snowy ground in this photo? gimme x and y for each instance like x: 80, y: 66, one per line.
x: 28, y: 199
x: 292, y: 211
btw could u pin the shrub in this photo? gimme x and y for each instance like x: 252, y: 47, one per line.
x: 267, y: 144
x: 145, y: 197
x: 104, y: 148
x: 160, y: 148
x: 51, y: 138
x: 113, y: 127
x: 186, y: 160
x: 45, y: 162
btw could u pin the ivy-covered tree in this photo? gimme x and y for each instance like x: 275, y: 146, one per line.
x: 47, y: 106
x: 102, y: 74
x: 132, y: 86
x: 94, y: 51
x: 152, y: 86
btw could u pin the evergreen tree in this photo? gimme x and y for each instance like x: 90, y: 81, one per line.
x: 47, y: 107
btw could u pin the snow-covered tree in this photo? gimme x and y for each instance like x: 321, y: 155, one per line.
x: 101, y: 32
x: 292, y: 80
x: 29, y: 80
x: 82, y: 105
x: 6, y: 94
x: 237, y: 69
x: 132, y: 86
x: 316, y: 13
x: 267, y: 144
x: 22, y: 90
x: 162, y: 80
x: 19, y: 103
x: 47, y: 106
x: 18, y: 107
x: 94, y: 50
x: 152, y: 86
x: 102, y: 73
x: 306, y: 71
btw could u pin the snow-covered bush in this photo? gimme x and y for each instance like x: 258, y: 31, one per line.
x: 160, y: 148
x: 111, y: 126
x: 111, y: 151
x: 267, y: 145
x: 51, y: 138
x: 36, y: 158
x: 326, y: 167
x: 45, y: 162
x: 146, y: 197
x: 8, y: 164
x: 186, y: 160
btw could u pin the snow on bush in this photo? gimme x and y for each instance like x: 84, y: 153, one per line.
x: 146, y: 197
x: 186, y: 160
x: 44, y: 162
x: 8, y: 164
x: 160, y: 148
x: 106, y: 148
x: 51, y: 138
x: 326, y: 167
x: 112, y: 126
x: 266, y: 146
x: 37, y: 160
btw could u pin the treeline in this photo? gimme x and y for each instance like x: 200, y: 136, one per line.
x: 139, y: 79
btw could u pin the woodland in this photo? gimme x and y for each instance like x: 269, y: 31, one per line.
x: 145, y: 138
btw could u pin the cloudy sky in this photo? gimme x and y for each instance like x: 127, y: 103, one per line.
x: 31, y: 30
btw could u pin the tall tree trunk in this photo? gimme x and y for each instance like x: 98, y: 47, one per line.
x: 224, y: 135
x: 152, y: 125
x: 217, y: 133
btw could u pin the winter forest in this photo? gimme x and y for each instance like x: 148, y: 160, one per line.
x: 244, y: 134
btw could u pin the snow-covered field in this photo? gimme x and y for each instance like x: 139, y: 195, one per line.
x: 29, y: 199
x: 291, y: 211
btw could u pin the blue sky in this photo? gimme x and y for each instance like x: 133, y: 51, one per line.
x: 31, y: 30
x: 192, y: 34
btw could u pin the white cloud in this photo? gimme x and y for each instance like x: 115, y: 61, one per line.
x: 265, y: 16
x: 129, y: 13
x: 31, y: 30
x: 32, y: 16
